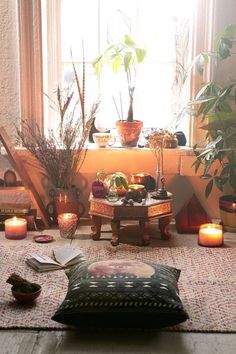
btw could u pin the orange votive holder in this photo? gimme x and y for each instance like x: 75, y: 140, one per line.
x: 139, y: 178
x: 210, y: 235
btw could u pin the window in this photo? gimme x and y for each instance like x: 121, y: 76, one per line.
x: 164, y: 29
x: 203, y: 29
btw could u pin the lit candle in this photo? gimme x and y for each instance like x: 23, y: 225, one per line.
x: 136, y: 187
x: 67, y: 223
x: 210, y: 235
x: 139, y: 178
x: 15, y: 228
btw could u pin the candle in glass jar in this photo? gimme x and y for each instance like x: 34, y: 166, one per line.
x: 15, y: 228
x: 210, y: 235
x: 139, y: 178
x: 67, y: 223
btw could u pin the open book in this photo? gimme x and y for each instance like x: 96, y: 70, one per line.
x: 65, y: 256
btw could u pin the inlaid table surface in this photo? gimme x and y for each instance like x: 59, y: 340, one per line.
x: 142, y: 212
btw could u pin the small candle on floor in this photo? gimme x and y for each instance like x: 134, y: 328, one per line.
x: 67, y: 223
x: 210, y: 235
x: 15, y: 228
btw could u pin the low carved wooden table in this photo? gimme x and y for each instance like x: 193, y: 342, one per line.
x: 116, y: 212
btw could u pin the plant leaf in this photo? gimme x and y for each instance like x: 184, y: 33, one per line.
x: 208, y: 188
x: 140, y: 54
x: 124, y: 182
x: 116, y: 65
x: 129, y: 41
x: 218, y: 183
x: 200, y: 61
x: 127, y: 60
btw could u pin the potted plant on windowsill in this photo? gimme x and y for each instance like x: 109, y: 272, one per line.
x: 125, y: 55
x: 216, y: 104
x: 61, y: 153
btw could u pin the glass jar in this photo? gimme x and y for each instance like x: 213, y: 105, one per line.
x: 112, y: 195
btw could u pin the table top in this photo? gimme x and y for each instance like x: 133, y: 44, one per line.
x: 148, y: 201
x: 149, y: 209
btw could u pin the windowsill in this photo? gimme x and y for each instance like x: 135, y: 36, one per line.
x: 183, y: 149
x: 177, y: 161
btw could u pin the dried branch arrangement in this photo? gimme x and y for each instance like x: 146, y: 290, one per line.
x: 61, y: 152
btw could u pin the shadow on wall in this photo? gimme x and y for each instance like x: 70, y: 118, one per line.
x: 181, y: 189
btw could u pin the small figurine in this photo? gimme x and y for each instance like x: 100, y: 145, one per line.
x: 161, y: 192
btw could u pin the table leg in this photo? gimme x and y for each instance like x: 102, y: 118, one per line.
x: 163, y: 226
x: 144, y: 226
x: 96, y: 227
x: 115, y: 227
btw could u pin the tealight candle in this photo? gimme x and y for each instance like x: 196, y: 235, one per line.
x: 15, y: 228
x: 136, y: 187
x: 67, y: 223
x: 210, y: 235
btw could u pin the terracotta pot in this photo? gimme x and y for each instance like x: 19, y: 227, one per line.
x: 129, y: 132
x: 65, y: 201
x: 227, y: 204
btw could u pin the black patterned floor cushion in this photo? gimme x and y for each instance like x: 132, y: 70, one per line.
x: 122, y: 293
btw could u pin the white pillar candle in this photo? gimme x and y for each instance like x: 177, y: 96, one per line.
x: 15, y: 228
x: 210, y: 235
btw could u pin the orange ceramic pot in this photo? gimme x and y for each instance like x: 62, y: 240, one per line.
x: 129, y: 132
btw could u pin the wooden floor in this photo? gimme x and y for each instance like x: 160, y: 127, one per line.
x: 119, y: 342
x: 44, y: 342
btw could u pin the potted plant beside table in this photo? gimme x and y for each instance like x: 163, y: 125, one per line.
x: 216, y: 104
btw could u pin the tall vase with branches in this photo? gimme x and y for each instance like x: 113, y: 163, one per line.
x: 61, y: 153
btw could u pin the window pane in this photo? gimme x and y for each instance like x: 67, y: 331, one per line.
x: 79, y: 22
x: 161, y: 27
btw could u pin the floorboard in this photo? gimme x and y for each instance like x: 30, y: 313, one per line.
x: 59, y: 342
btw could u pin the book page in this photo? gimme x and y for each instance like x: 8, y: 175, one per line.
x: 66, y: 253
x: 43, y: 259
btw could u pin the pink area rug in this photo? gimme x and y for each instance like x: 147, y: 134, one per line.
x: 207, y: 284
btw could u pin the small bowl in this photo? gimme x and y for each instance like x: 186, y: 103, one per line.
x: 103, y: 139
x: 26, y: 297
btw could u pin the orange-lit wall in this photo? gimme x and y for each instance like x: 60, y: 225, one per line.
x: 180, y: 177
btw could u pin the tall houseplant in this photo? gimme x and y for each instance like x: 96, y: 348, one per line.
x: 217, y: 105
x: 125, y: 55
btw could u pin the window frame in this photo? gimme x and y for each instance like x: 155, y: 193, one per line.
x: 31, y: 65
x: 31, y: 58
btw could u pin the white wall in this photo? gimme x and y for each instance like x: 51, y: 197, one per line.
x: 9, y: 66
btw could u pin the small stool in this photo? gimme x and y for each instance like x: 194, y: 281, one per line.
x: 116, y: 212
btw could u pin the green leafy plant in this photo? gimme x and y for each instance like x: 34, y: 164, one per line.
x: 216, y: 104
x: 125, y: 55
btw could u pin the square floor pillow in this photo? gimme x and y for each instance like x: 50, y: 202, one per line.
x: 122, y: 293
